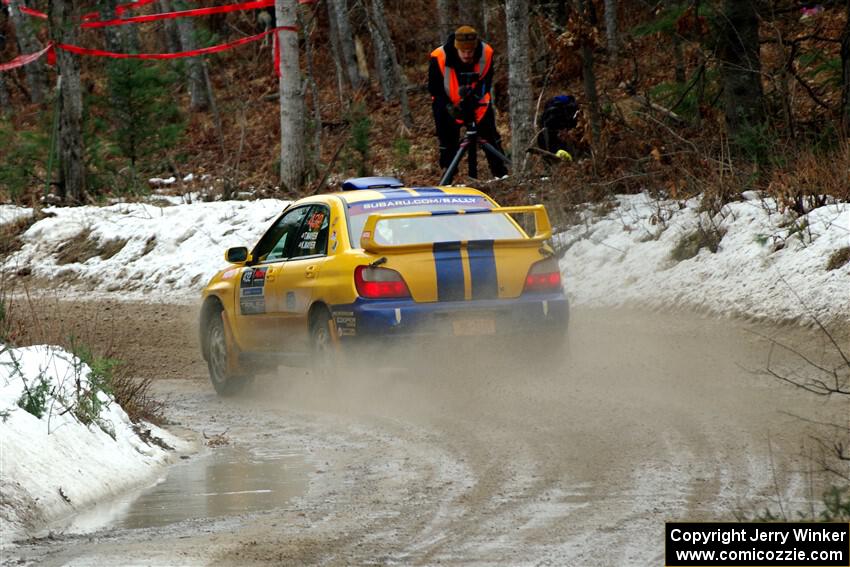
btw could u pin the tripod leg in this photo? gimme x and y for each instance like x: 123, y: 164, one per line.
x: 472, y: 158
x: 452, y: 169
x: 488, y: 147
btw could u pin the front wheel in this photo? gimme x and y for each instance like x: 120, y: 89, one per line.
x: 225, y: 382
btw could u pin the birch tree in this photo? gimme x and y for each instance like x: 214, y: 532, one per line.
x: 519, y: 80
x: 36, y: 72
x: 292, y: 108
x: 63, y: 18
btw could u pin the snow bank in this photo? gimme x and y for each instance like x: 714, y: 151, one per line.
x: 54, y: 466
x: 171, y: 250
x: 768, y: 264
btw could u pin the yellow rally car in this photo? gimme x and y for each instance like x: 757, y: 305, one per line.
x: 378, y: 260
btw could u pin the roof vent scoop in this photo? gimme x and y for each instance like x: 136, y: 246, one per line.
x: 356, y: 183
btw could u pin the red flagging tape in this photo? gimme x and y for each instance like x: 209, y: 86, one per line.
x: 194, y: 53
x: 22, y: 60
x: 91, y: 15
x: 29, y: 58
x: 31, y: 12
x: 94, y: 21
x: 256, y: 4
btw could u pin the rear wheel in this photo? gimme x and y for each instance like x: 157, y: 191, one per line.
x: 224, y: 381
x: 325, y: 357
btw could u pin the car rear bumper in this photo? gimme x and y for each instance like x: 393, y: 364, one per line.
x: 537, y: 314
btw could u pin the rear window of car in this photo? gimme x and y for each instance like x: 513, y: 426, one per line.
x: 437, y: 228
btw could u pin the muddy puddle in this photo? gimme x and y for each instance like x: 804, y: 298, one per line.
x: 223, y: 482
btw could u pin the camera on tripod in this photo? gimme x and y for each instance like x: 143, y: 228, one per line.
x: 467, y: 83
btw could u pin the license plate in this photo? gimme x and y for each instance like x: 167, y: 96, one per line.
x: 474, y: 327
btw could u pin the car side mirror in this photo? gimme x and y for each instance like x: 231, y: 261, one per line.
x: 236, y: 255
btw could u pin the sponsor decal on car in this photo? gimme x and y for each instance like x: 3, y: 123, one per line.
x: 315, y: 222
x: 346, y: 323
x: 445, y: 200
x: 252, y: 299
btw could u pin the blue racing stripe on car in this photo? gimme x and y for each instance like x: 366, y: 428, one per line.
x: 449, y: 266
x: 482, y: 269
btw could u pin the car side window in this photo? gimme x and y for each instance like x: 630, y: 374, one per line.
x: 276, y: 244
x: 312, y: 239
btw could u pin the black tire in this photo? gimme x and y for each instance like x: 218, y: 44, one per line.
x: 224, y: 382
x: 325, y: 357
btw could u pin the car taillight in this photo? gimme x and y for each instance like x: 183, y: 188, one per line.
x: 379, y: 283
x: 543, y: 276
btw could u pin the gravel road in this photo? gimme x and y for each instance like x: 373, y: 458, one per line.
x: 650, y: 417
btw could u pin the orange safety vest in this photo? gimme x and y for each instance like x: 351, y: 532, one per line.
x: 450, y: 80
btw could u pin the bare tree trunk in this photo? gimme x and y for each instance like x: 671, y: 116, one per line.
x: 5, y: 100
x: 519, y: 80
x: 486, y: 18
x: 557, y: 12
x: 845, y: 72
x: 111, y: 34
x: 291, y: 99
x: 589, y: 75
x: 397, y: 84
x: 383, y: 61
x: 337, y: 51
x: 346, y: 41
x: 72, y: 179
x: 471, y: 14
x: 36, y: 72
x: 362, y: 62
x: 678, y: 57
x: 172, y: 37
x: 611, y: 32
x: 445, y: 19
x: 314, y: 90
x: 198, y: 87
x: 741, y: 66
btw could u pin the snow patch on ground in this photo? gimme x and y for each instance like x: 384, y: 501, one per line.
x: 11, y: 213
x: 768, y: 264
x: 55, y: 465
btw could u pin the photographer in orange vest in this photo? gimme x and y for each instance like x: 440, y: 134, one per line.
x: 460, y: 76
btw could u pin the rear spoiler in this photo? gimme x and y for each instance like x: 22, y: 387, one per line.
x: 542, y: 228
